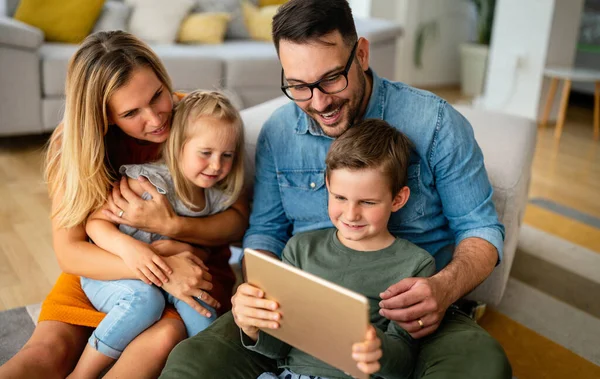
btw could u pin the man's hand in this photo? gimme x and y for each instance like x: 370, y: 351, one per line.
x: 251, y: 311
x: 190, y: 279
x: 418, y: 305
x: 368, y: 353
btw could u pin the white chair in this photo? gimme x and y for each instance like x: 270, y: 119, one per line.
x: 570, y: 75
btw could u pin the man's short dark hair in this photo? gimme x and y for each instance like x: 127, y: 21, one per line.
x: 301, y: 21
x: 372, y: 144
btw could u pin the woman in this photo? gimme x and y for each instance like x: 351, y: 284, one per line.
x: 118, y: 111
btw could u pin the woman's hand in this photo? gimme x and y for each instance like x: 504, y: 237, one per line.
x: 125, y: 206
x: 148, y: 266
x: 189, y: 280
x: 367, y: 353
x: 251, y: 311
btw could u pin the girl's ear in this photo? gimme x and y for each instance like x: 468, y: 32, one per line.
x: 401, y: 198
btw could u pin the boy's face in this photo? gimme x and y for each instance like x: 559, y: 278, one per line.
x: 360, y: 205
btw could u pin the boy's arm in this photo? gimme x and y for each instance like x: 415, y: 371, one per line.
x: 399, y: 352
x: 399, y: 349
x: 266, y: 345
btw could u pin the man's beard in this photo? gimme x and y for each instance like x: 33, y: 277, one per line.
x: 352, y: 113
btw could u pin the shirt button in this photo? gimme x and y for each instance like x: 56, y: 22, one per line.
x: 312, y: 185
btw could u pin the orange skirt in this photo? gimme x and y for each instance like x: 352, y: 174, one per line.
x: 67, y: 302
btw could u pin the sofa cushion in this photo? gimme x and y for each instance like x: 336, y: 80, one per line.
x: 236, y: 27
x: 114, y: 16
x: 60, y: 20
x: 190, y: 67
x: 376, y: 30
x: 54, y: 59
x: 204, y: 27
x: 157, y: 21
x: 259, y: 20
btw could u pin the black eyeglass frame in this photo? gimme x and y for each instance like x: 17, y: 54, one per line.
x: 316, y: 84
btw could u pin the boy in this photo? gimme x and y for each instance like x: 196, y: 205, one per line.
x: 366, y: 177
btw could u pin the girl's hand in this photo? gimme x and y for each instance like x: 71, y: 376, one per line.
x: 368, y: 352
x: 148, y: 266
x: 166, y: 248
x: 251, y: 311
x: 126, y: 207
x: 189, y: 280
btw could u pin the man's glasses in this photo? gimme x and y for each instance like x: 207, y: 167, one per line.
x: 329, y: 85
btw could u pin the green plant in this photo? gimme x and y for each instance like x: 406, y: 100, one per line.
x: 485, y: 19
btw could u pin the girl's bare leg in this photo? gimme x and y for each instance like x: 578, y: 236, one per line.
x: 145, y: 356
x: 91, y: 364
x: 51, y: 352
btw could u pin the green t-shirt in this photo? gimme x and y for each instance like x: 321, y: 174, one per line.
x: 369, y: 273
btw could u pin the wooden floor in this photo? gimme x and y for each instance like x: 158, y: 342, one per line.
x: 567, y: 173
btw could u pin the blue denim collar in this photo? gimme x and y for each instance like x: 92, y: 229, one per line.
x: 306, y: 124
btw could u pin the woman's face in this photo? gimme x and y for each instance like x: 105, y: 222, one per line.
x: 142, y: 108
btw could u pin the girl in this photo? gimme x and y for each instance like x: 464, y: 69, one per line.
x: 201, y: 174
x: 118, y: 111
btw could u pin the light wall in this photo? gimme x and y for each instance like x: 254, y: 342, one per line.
x: 441, y: 61
x: 528, y: 36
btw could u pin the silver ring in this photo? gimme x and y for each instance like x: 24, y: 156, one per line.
x: 121, y: 213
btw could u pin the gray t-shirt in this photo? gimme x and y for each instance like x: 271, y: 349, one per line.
x: 159, y: 176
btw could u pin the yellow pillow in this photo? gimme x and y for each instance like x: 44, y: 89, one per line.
x: 60, y: 20
x: 205, y: 27
x: 266, y: 3
x: 259, y: 20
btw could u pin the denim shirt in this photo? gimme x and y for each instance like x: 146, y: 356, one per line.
x: 450, y: 193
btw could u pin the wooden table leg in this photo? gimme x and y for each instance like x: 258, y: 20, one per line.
x: 549, y: 101
x: 564, y: 101
x: 597, y: 112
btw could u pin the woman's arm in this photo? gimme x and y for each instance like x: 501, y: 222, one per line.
x: 157, y: 216
x: 77, y: 256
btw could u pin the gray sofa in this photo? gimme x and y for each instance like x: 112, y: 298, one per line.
x: 508, y: 144
x: 33, y: 72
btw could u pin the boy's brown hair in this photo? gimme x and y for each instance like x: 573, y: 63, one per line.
x: 372, y: 144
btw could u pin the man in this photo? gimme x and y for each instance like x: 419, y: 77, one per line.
x: 450, y: 212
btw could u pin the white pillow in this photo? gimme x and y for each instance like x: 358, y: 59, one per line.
x: 113, y: 17
x: 157, y: 21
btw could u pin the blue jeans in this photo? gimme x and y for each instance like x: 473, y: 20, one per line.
x: 131, y: 306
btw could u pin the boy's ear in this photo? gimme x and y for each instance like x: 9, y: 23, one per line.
x: 401, y: 198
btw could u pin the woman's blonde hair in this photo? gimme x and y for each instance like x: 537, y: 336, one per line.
x: 76, y: 160
x: 193, y: 106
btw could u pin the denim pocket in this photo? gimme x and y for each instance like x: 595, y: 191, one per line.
x: 414, y: 207
x: 303, y: 194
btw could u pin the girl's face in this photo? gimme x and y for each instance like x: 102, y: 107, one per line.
x: 208, y: 154
x: 142, y: 108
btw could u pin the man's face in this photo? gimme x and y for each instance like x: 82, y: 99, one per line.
x: 309, y: 62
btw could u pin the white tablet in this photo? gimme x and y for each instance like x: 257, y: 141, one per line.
x: 320, y: 318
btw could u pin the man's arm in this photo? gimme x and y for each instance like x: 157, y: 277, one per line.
x: 419, y: 304
x: 269, y: 224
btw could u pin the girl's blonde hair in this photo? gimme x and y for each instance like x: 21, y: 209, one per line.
x: 193, y: 106
x: 76, y: 161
